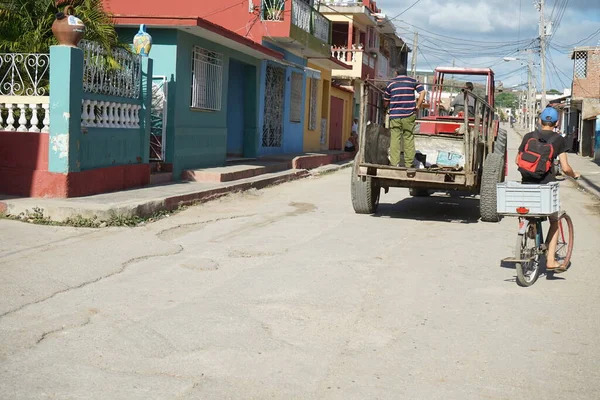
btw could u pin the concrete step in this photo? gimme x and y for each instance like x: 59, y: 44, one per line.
x: 159, y: 178
x: 235, y: 172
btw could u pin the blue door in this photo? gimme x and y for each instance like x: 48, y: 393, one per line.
x: 235, y: 110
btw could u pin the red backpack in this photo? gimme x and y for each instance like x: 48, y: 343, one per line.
x: 535, y: 160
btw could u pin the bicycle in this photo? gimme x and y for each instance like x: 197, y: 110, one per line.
x: 532, y: 211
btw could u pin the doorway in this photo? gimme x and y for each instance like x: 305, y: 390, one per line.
x: 241, y: 110
x: 336, y: 123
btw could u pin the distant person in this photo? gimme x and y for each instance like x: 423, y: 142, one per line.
x: 400, y: 98
x: 576, y: 140
x: 352, y: 143
x: 355, y: 126
x: 535, y: 160
x: 459, y: 101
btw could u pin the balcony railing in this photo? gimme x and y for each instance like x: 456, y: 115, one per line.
x: 310, y: 20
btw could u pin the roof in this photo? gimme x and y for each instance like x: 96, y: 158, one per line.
x: 195, y: 25
x: 584, y: 48
x: 465, y: 71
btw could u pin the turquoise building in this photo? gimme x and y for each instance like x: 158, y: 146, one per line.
x: 208, y: 83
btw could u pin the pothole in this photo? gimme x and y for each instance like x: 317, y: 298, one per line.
x: 200, y: 264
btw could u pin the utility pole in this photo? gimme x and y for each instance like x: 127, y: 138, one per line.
x: 531, y: 93
x: 414, y: 55
x: 543, y: 33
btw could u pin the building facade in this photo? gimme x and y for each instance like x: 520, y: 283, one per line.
x: 585, y: 98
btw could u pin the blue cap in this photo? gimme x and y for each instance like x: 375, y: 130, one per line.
x: 549, y: 114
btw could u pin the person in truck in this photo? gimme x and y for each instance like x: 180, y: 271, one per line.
x: 459, y: 101
x: 399, y: 96
x: 535, y: 159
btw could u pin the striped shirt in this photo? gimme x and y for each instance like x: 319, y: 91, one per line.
x: 400, y: 92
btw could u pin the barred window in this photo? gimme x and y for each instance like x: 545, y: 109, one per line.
x: 207, y: 79
x: 312, y: 110
x: 580, y: 66
x: 296, y: 100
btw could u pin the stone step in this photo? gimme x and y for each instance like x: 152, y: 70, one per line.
x: 234, y: 172
x: 159, y: 178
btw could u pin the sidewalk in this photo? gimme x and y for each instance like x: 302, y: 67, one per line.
x: 150, y: 200
x: 589, y: 170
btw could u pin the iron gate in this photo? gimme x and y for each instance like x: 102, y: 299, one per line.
x: 274, y: 97
x: 158, y: 119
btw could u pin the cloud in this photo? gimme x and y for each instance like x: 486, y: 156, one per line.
x: 488, y: 30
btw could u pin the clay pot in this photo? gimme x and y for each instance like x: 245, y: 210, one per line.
x: 67, y: 28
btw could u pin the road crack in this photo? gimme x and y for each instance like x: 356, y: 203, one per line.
x: 122, y: 269
x: 61, y: 329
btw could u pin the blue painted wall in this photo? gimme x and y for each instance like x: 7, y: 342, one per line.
x: 195, y: 138
x: 293, y: 132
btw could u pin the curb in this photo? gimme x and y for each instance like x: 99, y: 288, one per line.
x: 62, y: 210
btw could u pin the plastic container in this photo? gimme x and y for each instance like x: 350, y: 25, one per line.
x: 539, y: 199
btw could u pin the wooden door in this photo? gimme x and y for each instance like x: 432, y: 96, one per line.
x: 336, y: 123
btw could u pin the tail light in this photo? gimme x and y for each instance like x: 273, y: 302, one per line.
x: 522, y: 210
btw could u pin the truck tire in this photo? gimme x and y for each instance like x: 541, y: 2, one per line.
x: 365, y: 193
x: 493, y: 168
x: 416, y: 192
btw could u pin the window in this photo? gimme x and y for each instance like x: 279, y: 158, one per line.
x: 296, y: 100
x: 312, y: 110
x: 580, y: 67
x: 207, y: 79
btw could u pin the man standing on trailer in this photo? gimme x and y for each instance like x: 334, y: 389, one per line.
x: 400, y: 97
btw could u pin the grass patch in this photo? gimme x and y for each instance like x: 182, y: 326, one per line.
x: 36, y: 216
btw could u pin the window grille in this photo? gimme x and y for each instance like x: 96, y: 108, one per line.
x: 296, y: 100
x: 207, y: 79
x: 312, y: 111
x: 580, y: 66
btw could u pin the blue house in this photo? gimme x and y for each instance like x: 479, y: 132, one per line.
x: 208, y: 94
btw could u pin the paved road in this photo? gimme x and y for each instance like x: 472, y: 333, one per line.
x: 287, y: 294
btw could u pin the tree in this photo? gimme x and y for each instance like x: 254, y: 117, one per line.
x: 553, y: 91
x: 507, y: 100
x: 26, y: 25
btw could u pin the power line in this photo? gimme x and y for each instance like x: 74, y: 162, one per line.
x: 411, y: 6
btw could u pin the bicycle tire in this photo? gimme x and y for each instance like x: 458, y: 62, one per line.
x: 527, y: 273
x: 566, y: 236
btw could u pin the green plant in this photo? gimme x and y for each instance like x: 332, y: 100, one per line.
x: 26, y: 25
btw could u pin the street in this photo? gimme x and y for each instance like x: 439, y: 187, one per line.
x: 286, y: 293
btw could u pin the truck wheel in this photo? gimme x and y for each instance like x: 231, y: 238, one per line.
x: 415, y: 192
x: 365, y: 193
x: 492, y: 171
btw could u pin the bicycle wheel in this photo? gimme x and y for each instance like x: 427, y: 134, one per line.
x: 526, y: 249
x: 564, y: 248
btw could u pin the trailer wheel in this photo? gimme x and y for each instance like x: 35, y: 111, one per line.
x: 416, y: 192
x: 365, y: 192
x: 492, y: 171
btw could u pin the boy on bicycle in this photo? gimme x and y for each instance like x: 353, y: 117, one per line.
x: 535, y: 158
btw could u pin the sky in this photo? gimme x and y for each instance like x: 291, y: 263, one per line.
x: 479, y: 33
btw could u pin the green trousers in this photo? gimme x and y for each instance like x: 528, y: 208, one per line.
x: 402, y: 137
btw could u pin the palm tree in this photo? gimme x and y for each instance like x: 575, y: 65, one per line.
x: 26, y: 25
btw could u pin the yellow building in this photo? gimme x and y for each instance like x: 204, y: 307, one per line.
x: 342, y: 105
x: 318, y: 89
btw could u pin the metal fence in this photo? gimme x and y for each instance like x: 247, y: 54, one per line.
x: 24, y: 74
x: 116, y: 73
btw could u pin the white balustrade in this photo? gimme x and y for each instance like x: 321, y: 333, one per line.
x: 343, y: 54
x: 24, y: 117
x: 107, y: 114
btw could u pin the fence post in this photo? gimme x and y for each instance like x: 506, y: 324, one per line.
x: 146, y: 97
x: 66, y: 91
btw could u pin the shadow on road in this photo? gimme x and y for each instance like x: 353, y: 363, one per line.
x: 441, y: 208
